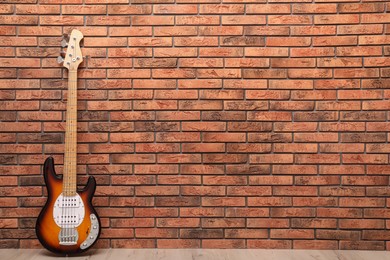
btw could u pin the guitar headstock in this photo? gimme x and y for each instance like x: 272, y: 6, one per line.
x: 73, y: 56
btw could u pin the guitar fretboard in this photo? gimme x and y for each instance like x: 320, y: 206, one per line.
x: 70, y: 159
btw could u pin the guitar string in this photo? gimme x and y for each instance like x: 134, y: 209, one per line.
x: 69, y: 162
x: 74, y: 144
x: 73, y: 172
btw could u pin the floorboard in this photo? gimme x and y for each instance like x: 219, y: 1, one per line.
x: 199, y: 254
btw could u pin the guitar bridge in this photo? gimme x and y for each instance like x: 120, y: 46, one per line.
x: 68, y: 236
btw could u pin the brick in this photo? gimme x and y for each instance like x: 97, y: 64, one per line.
x: 359, y: 51
x: 265, y: 30
x: 317, y: 244
x: 359, y: 116
x: 361, y: 224
x: 121, y: 52
x: 253, y: 212
x: 296, y: 148
x: 268, y: 116
x: 224, y: 243
x: 268, y: 180
x: 268, y: 9
x: 291, y: 41
x: 292, y: 212
x: 126, y: 243
x: 61, y: 20
x: 149, y: 20
x: 8, y: 30
x: 362, y: 8
x: 173, y: 179
x: 20, y: 19
x: 360, y: 29
x: 289, y: 19
x: 292, y: 62
x: 175, y: 158
x: 223, y: 223
x: 40, y: 9
x: 130, y: 158
x: 154, y: 148
x: 312, y: 52
x: 177, y: 116
x: 339, y: 62
x: 309, y: 73
x: 221, y: 9
x: 204, y: 168
x: 97, y: 42
x: 91, y: 9
x: 341, y: 191
x: 337, y: 19
x: 197, y: 20
x: 338, y: 105
x: 314, y: 8
x: 294, y: 234
x: 201, y: 233
x: 266, y: 52
x: 266, y: 137
x: 338, y: 234
x: 177, y: 137
x: 314, y: 201
x: 362, y: 137
x: 212, y: 201
x: 131, y: 31
x: 7, y: 9
x: 376, y: 62
x: 313, y: 30
x: 372, y: 148
x: 156, y: 232
x: 243, y: 19
x: 209, y: 147
x: 374, y: 18
x: 225, y: 158
x: 269, y: 244
x: 217, y: 30
x: 346, y: 148
x: 180, y: 9
x: 337, y: 83
x: 348, y: 245
x: 221, y: 51
x: 339, y: 213
x: 268, y: 201
x: 268, y: 223
x: 18, y: 41
x: 248, y: 233
x: 199, y: 212
x: 126, y: 9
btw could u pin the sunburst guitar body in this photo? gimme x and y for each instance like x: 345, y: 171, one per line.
x: 68, y: 224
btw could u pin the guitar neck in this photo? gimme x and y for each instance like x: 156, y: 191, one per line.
x: 70, y: 157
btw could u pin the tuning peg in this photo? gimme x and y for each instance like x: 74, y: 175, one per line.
x: 65, y: 40
x: 64, y: 43
x: 60, y: 59
x: 62, y: 54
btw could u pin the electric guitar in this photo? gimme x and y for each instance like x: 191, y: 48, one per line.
x: 68, y: 223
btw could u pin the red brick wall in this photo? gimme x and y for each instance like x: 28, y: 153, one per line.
x: 241, y: 124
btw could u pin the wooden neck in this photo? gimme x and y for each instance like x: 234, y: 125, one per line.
x: 70, y: 160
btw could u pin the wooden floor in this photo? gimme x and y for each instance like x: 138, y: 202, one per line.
x: 199, y: 254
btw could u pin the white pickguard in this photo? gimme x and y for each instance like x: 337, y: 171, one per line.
x: 69, y: 211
